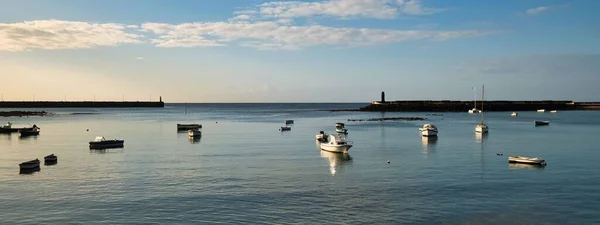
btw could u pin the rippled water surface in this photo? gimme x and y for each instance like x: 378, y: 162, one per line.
x: 243, y: 170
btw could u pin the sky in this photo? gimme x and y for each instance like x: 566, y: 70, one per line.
x: 299, y: 51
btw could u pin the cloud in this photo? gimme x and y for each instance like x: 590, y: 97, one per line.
x: 378, y: 9
x: 269, y: 35
x: 543, y: 9
x: 57, y: 34
x: 139, y: 58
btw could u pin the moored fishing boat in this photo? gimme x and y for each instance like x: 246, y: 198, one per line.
x: 541, y: 123
x: 428, y: 130
x: 101, y: 143
x: 541, y: 110
x: 526, y: 160
x: 35, y: 130
x: 190, y: 126
x: 285, y: 128
x: 336, y: 143
x: 514, y: 114
x: 30, y: 164
x: 50, y: 159
x: 289, y: 122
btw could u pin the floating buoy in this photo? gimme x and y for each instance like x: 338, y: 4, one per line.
x: 500, y: 154
x: 87, y: 129
x: 388, y: 161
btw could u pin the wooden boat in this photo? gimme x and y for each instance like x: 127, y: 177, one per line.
x: 102, y: 143
x: 289, y: 122
x: 190, y: 126
x: 30, y: 131
x: 285, y: 128
x: 337, y: 143
x: 481, y: 127
x: 341, y: 128
x: 50, y: 159
x: 514, y: 114
x: 30, y: 164
x: 194, y: 133
x: 541, y: 123
x: 526, y: 160
x: 428, y: 130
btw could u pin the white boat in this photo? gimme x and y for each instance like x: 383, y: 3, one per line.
x: 541, y: 123
x: 341, y: 128
x: 541, y: 110
x: 337, y: 143
x: 474, y: 110
x: 322, y: 137
x: 194, y: 133
x: 285, y: 128
x: 428, y: 130
x: 514, y: 114
x: 481, y: 127
x: 526, y: 160
x: 553, y: 111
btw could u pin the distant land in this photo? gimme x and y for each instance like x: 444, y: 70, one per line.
x: 81, y: 104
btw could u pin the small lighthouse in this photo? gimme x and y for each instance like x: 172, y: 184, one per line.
x: 382, y: 97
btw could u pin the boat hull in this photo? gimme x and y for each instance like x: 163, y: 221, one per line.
x: 428, y: 132
x: 542, y: 123
x: 481, y: 129
x: 188, y: 126
x: 526, y: 160
x: 285, y: 129
x: 107, y: 144
x: 194, y: 133
x: 33, y: 164
x: 335, y: 148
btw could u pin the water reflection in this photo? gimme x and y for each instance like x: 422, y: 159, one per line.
x: 50, y: 163
x: 29, y: 171
x: 6, y: 136
x: 336, y: 161
x: 106, y: 150
x: 525, y: 166
x: 194, y: 140
x: 28, y: 137
x: 428, y: 143
x: 479, y: 137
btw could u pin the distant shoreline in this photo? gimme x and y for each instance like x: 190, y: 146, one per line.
x: 80, y: 104
x: 22, y: 113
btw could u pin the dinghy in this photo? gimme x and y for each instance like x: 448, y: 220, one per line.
x: 285, y: 128
x: 101, y: 143
x: 526, y: 160
x: 514, y: 114
x: 30, y: 164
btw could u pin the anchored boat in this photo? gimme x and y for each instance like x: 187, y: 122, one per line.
x: 102, y: 143
x: 190, y: 126
x: 481, y: 127
x: 33, y: 164
x: 194, y: 133
x: 341, y: 128
x: 541, y: 123
x: 336, y: 143
x: 526, y: 160
x: 428, y: 130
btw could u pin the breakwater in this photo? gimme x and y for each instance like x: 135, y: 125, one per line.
x: 464, y: 106
x: 81, y: 104
x: 22, y: 113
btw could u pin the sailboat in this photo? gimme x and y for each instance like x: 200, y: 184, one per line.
x: 481, y: 127
x: 474, y: 109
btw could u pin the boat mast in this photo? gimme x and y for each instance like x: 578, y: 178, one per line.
x: 474, y: 98
x: 482, y: 97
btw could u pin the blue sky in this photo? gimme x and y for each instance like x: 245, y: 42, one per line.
x: 298, y: 51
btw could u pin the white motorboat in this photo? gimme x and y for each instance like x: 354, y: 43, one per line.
x: 194, y: 133
x: 514, y: 114
x: 336, y: 143
x: 428, y: 130
x: 526, y: 160
x: 541, y: 110
x: 322, y: 137
x: 553, y: 111
x: 481, y: 127
x: 341, y: 128
x: 474, y: 111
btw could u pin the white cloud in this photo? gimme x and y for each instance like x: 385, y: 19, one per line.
x: 538, y: 10
x: 268, y: 35
x: 57, y: 34
x: 139, y: 58
x: 378, y: 9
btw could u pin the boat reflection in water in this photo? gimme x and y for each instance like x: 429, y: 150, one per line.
x: 336, y: 160
x: 428, y: 143
x: 29, y: 171
x: 480, y: 137
x: 525, y: 166
x: 195, y: 139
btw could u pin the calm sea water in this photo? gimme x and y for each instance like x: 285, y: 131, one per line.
x: 243, y: 170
